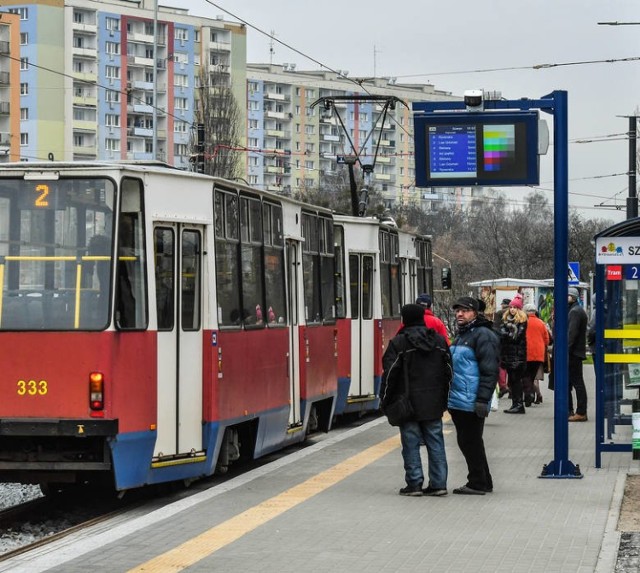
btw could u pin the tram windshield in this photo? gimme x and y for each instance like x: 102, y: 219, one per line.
x: 56, y: 241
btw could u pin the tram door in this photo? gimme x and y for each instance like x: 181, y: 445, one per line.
x: 362, y: 328
x: 178, y: 274
x: 293, y: 318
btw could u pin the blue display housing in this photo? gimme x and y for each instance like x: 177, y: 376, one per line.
x: 461, y: 149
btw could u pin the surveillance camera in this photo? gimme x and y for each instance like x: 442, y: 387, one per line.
x: 473, y: 100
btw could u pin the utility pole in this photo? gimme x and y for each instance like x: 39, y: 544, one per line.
x: 632, y: 199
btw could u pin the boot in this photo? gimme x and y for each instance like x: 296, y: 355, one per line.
x: 516, y: 408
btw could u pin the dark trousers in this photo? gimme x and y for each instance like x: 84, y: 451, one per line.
x: 576, y: 381
x: 528, y: 380
x: 514, y: 377
x: 469, y: 429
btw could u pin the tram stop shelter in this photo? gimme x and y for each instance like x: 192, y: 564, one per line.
x: 617, y: 348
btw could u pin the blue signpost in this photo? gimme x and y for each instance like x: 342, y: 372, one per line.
x: 555, y: 104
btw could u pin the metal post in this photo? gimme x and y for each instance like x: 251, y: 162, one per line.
x: 632, y: 199
x: 560, y: 466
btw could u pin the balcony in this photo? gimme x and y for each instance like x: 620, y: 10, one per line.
x: 275, y: 96
x: 274, y: 114
x: 139, y: 61
x: 5, y: 140
x: 382, y: 177
x: 140, y: 131
x: 329, y: 137
x: 86, y: 28
x: 140, y: 85
x: 5, y: 108
x: 141, y: 38
x: 383, y: 159
x: 142, y: 108
x: 91, y: 53
x: 5, y: 47
x: 274, y: 169
x: 85, y: 126
x: 4, y: 78
x: 85, y: 101
x: 85, y: 150
x: 274, y: 133
x: 90, y: 77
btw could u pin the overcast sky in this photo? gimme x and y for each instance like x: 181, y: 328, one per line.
x: 432, y: 42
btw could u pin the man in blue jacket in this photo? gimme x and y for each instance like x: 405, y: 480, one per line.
x: 475, y: 353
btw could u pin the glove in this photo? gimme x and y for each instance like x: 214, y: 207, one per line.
x: 482, y: 409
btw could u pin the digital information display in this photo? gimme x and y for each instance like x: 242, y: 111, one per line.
x: 464, y: 149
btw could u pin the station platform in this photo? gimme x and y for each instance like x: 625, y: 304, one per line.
x: 334, y: 506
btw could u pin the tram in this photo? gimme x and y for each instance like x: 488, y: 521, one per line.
x: 158, y: 325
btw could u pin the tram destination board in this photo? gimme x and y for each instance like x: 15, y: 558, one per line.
x: 465, y: 149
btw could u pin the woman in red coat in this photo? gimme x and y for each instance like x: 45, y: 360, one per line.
x: 537, y: 343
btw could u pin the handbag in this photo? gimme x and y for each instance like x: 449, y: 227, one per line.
x: 547, y: 361
x: 399, y: 410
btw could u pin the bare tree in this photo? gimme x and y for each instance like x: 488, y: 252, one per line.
x: 218, y: 111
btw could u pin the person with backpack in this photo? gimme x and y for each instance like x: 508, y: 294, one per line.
x: 417, y: 364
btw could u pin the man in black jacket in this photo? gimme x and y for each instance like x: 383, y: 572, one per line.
x: 425, y: 355
x: 577, y: 343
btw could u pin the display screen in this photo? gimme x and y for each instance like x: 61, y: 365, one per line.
x: 463, y: 149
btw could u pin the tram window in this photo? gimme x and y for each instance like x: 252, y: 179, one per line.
x: 227, y: 289
x: 218, y: 213
x: 231, y: 216
x: 367, y: 288
x: 273, y: 265
x: 311, y: 268
x: 354, y: 286
x: 59, y: 235
x: 190, y: 281
x: 394, y: 277
x: 164, y: 251
x: 131, y: 284
x: 327, y: 270
x: 251, y: 261
x: 340, y: 293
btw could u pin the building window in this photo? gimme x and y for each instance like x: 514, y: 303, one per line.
x: 196, y: 35
x: 22, y: 12
x: 309, y: 93
x: 253, y: 124
x: 112, y: 144
x: 24, y: 88
x: 180, y: 127
x: 180, y: 149
x: 78, y: 140
x: 253, y: 142
x: 78, y: 17
x: 112, y: 48
x: 24, y: 113
x: 182, y: 103
x: 78, y: 42
x: 112, y: 120
x: 308, y: 164
x: 78, y: 66
x: 24, y: 139
x: 24, y: 64
x: 113, y: 24
x: 24, y: 38
x: 113, y: 96
x: 112, y: 72
x: 181, y: 34
x: 254, y: 87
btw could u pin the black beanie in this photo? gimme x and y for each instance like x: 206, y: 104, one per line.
x: 412, y: 315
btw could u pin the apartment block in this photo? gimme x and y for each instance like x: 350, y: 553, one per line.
x: 10, y: 112
x: 107, y: 80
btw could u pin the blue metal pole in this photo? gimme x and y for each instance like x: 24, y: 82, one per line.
x: 560, y: 466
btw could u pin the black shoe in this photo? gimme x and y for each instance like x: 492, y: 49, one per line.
x: 411, y: 490
x: 434, y: 491
x: 466, y: 490
x: 516, y: 408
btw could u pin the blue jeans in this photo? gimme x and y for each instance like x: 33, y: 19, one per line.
x: 412, y: 435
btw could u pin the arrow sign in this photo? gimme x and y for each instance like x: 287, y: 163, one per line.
x: 574, y: 274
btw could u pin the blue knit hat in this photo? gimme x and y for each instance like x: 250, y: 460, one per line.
x: 424, y: 299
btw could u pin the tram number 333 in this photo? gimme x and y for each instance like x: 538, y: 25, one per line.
x: 32, y: 388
